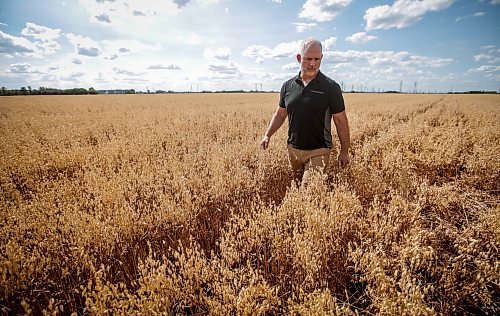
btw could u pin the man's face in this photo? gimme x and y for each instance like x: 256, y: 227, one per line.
x: 310, y: 61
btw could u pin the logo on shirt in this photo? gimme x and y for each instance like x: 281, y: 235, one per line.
x: 318, y: 92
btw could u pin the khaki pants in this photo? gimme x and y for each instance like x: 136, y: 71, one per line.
x: 308, y: 161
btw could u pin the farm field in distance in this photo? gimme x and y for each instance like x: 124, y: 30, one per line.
x: 165, y: 204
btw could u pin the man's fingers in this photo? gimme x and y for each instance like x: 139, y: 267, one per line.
x: 264, y: 143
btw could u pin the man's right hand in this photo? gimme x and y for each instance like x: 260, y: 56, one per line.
x: 264, y: 143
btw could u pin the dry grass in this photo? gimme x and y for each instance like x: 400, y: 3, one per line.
x: 145, y: 205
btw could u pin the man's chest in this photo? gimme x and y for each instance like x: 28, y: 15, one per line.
x: 308, y: 99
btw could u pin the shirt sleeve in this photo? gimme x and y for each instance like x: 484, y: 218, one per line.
x: 282, y: 96
x: 336, y: 99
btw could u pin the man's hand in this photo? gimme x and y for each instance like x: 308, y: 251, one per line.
x: 264, y: 143
x: 343, y: 160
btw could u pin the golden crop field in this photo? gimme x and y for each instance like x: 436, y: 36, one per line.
x: 165, y: 205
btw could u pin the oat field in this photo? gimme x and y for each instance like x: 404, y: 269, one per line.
x: 165, y: 205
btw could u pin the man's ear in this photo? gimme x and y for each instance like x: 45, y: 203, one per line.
x: 299, y: 57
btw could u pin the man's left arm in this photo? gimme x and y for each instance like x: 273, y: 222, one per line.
x: 342, y: 126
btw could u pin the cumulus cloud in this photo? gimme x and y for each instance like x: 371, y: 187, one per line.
x: 402, y: 13
x: 228, y: 68
x: 84, y: 45
x: 13, y: 45
x: 329, y: 42
x: 489, y: 55
x: 323, y: 10
x: 43, y: 42
x: 282, y: 50
x: 103, y: 17
x: 360, y: 38
x: 39, y: 32
x: 221, y: 53
x: 302, y: 27
x: 21, y: 68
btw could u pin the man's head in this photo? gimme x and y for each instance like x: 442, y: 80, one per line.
x: 311, y: 53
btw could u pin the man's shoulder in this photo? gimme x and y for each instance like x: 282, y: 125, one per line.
x: 329, y: 84
x: 291, y: 80
x: 327, y: 79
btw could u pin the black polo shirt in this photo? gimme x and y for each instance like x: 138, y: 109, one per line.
x: 310, y: 110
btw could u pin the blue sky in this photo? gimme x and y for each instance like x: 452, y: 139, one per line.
x: 182, y: 45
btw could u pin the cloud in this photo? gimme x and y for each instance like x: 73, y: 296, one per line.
x: 43, y: 42
x: 402, y: 13
x: 126, y: 72
x: 74, y: 76
x: 21, y: 68
x: 491, y: 56
x: 39, y: 32
x: 282, y: 50
x: 475, y: 15
x: 301, y: 27
x: 360, y: 38
x: 3, y: 24
x: 76, y: 61
x: 103, y: 17
x: 329, y: 42
x: 125, y: 12
x: 485, y: 69
x: 116, y: 48
x: 161, y: 66
x: 228, y: 68
x: 323, y: 10
x: 222, y: 53
x: 291, y: 66
x: 84, y: 45
x: 138, y: 13
x: 379, y: 58
x: 181, y: 3
x: 13, y: 45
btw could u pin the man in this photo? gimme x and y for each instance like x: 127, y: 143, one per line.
x: 311, y: 101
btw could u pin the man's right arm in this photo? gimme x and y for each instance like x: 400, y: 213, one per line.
x: 277, y: 120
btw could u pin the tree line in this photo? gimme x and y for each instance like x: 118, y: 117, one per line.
x: 45, y: 91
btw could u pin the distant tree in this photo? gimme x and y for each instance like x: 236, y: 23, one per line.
x: 92, y: 90
x: 29, y: 89
x: 23, y: 91
x: 2, y: 91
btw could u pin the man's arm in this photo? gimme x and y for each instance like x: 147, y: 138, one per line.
x: 276, y: 121
x: 342, y: 126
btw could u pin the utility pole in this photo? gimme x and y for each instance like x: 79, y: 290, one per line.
x: 400, y: 86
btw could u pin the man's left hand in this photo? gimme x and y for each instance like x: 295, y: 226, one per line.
x: 343, y: 160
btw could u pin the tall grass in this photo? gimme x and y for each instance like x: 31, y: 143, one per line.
x: 145, y: 204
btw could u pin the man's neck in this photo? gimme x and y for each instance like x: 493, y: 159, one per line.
x: 307, y: 79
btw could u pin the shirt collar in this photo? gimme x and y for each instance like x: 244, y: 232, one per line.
x: 319, y: 77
